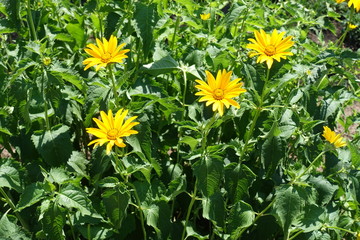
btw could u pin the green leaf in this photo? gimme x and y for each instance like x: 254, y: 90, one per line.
x: 164, y: 65
x: 71, y: 196
x: 209, y: 171
x: 214, y: 209
x: 192, y: 142
x: 188, y: 4
x: 77, y: 32
x: 145, y: 17
x: 272, y: 151
x: 158, y: 216
x: 32, y: 194
x: 311, y: 219
x: 241, y: 216
x: 53, y: 145
x: 287, y: 207
x: 116, y: 202
x: 9, y: 174
x: 65, y: 75
x: 176, y: 186
x: 11, y: 231
x: 355, y: 155
x: 324, y: 188
x: 78, y: 163
x: 238, y: 180
x: 58, y: 175
x: 53, y: 222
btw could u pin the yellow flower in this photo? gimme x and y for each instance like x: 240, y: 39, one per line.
x: 104, y: 53
x: 219, y: 91
x: 352, y: 26
x: 270, y: 47
x: 46, y: 61
x: 112, y: 130
x: 205, y: 16
x: 339, y: 1
x: 356, y: 4
x: 333, y: 138
x: 358, y: 236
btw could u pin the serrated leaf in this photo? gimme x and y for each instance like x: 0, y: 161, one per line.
x: 32, y: 194
x: 77, y: 32
x: 192, y: 142
x: 53, y: 222
x: 11, y: 231
x: 311, y: 219
x: 71, y: 196
x: 72, y: 78
x: 53, y: 145
x: 164, y: 65
x: 238, y: 180
x: 241, y: 216
x: 287, y: 207
x: 214, y: 209
x: 324, y: 188
x: 58, y: 175
x: 116, y: 202
x: 9, y: 174
x: 78, y: 163
x: 209, y: 171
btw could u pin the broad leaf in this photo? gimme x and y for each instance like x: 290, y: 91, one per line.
x: 11, y: 231
x: 32, y: 194
x: 9, y: 174
x: 53, y: 222
x: 165, y: 65
x: 78, y: 163
x: 71, y: 196
x: 241, y: 216
x: 214, y: 209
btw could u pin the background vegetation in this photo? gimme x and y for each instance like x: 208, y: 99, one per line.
x: 259, y: 172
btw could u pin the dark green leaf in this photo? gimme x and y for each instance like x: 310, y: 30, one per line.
x: 241, y: 216
x: 53, y: 145
x: 214, y: 209
x: 78, y: 163
x: 165, y: 65
x: 11, y: 231
x: 32, y: 194
x: 53, y: 222
x: 71, y: 196
x: 9, y: 174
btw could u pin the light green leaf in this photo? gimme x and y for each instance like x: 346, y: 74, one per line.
x: 77, y: 32
x: 11, y: 231
x: 9, y: 174
x: 58, y: 175
x: 78, y: 163
x: 164, y: 65
x: 71, y: 196
x: 192, y: 142
x: 241, y: 216
x: 32, y: 194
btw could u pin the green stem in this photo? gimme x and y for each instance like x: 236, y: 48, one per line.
x: 259, y: 108
x: 193, y: 199
x: 341, y: 229
x: 175, y: 30
x: 12, y: 206
x: 45, y: 103
x: 182, y: 116
x: 138, y: 202
x: 89, y: 232
x: 113, y: 82
x: 259, y: 215
x: 309, y: 167
x: 296, y: 234
x: 71, y: 227
x: 340, y: 41
x: 31, y: 21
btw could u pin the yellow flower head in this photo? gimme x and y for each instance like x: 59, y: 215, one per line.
x: 219, y: 91
x: 355, y: 3
x: 270, y: 47
x: 112, y: 130
x: 104, y: 53
x: 333, y: 138
x: 205, y: 16
x: 339, y: 1
x: 352, y: 26
x: 46, y: 61
x: 358, y: 236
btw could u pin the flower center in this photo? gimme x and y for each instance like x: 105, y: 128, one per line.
x: 112, y: 134
x: 105, y: 58
x: 218, y: 94
x: 270, y: 50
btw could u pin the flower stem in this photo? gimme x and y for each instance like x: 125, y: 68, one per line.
x: 341, y: 229
x: 113, y: 82
x: 12, y: 206
x: 47, y: 124
x: 31, y: 21
x: 340, y: 41
x: 175, y: 30
x: 193, y: 198
x: 182, y: 116
x: 138, y: 202
x: 309, y: 167
x: 259, y: 108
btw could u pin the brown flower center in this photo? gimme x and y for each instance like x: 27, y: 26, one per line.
x: 218, y: 94
x: 106, y: 57
x: 270, y: 50
x: 112, y: 134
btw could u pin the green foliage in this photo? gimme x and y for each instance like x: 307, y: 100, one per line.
x: 261, y: 171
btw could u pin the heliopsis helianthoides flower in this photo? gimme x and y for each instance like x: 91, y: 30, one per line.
x: 106, y: 52
x: 112, y: 130
x: 269, y: 47
x: 339, y: 1
x: 355, y: 3
x: 352, y: 26
x: 205, y: 16
x: 333, y: 138
x: 219, y: 91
